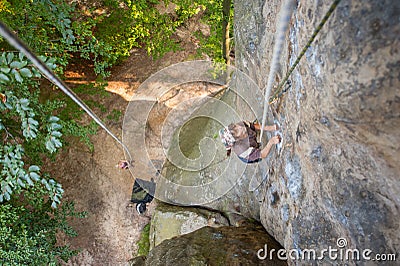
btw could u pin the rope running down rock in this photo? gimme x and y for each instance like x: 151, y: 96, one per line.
x: 282, y: 26
x: 277, y: 92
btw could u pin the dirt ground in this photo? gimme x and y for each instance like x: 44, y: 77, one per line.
x: 109, y: 234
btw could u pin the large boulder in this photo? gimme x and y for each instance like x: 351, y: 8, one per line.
x: 244, y: 245
x: 169, y: 221
x: 334, y: 181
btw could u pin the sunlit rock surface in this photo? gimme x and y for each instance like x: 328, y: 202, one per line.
x: 169, y: 221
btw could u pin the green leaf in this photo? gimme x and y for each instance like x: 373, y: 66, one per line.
x: 19, y: 181
x: 3, y: 59
x: 54, y: 119
x: 57, y: 134
x: 55, y: 126
x: 16, y: 64
x: 34, y: 168
x: 42, y: 58
x: 29, y: 181
x: 32, y: 134
x: 21, y: 56
x: 18, y: 76
x: 36, y: 73
x: 23, y: 63
x: 50, y: 146
x: 7, y: 195
x: 8, y: 189
x: 5, y: 69
x: 25, y: 107
x: 10, y: 57
x: 24, y: 101
x: 4, y: 77
x: 34, y: 176
x: 51, y: 66
x: 56, y: 199
x: 51, y: 60
x: 32, y: 121
x: 26, y: 72
x: 56, y: 142
x: 26, y: 133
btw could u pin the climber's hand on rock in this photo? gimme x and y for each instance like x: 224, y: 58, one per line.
x: 275, y: 139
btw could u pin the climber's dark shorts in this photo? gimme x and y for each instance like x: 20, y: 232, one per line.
x: 248, y: 161
x: 252, y: 155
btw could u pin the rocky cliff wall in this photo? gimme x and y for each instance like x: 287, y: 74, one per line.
x: 333, y: 182
x: 337, y: 175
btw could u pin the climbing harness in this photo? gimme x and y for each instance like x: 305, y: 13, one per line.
x: 278, y: 92
x: 17, y: 43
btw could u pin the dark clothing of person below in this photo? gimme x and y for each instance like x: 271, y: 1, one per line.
x: 142, y: 193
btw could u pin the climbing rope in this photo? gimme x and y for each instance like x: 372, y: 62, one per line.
x: 18, y: 44
x: 284, y: 18
x: 278, y: 93
x: 275, y: 98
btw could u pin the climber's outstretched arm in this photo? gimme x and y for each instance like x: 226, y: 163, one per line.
x: 266, y: 128
x: 267, y: 148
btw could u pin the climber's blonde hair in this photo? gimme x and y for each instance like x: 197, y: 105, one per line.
x: 238, y: 130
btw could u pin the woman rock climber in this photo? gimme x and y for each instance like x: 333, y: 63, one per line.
x: 242, y: 139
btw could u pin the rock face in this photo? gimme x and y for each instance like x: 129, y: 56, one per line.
x: 334, y: 181
x: 337, y: 175
x: 217, y: 246
x: 170, y: 221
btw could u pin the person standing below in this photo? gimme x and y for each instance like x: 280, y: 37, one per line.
x: 241, y: 138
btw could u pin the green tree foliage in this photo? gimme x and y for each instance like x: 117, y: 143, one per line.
x: 212, y: 45
x: 24, y: 120
x: 29, y: 219
x: 28, y: 236
x: 155, y: 30
x: 60, y: 31
x: 143, y: 23
x: 64, y: 29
